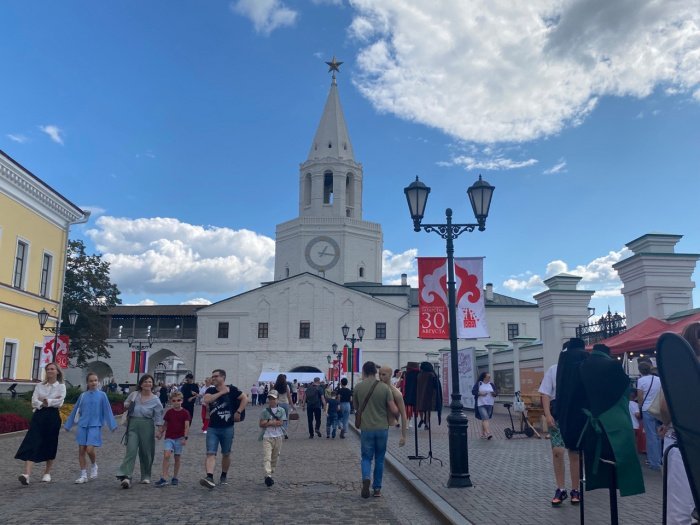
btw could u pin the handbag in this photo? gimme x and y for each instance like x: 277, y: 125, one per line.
x: 358, y: 414
x: 294, y: 416
x: 124, y: 418
x: 76, y: 417
x: 655, y: 407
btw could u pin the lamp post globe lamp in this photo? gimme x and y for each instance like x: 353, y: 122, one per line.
x: 480, y: 194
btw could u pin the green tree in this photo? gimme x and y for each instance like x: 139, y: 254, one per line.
x: 89, y: 291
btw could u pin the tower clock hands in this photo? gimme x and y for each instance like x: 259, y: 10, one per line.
x: 324, y: 252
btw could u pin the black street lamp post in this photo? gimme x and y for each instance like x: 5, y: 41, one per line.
x: 139, y: 346
x: 480, y: 194
x: 43, y: 316
x: 351, y: 357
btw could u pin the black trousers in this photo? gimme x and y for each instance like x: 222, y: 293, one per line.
x: 310, y: 413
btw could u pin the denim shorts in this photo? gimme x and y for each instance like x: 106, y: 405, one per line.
x: 219, y: 436
x: 173, y: 445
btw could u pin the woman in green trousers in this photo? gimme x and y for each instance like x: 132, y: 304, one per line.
x: 145, y: 413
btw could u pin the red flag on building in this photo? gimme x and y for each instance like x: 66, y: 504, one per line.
x: 356, y: 359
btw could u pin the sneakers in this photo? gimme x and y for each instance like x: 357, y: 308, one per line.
x: 269, y: 481
x: 126, y: 483
x: 93, y: 471
x: 575, y: 497
x: 365, y: 488
x: 342, y: 434
x: 318, y: 433
x: 162, y: 482
x: 81, y: 480
x: 46, y: 478
x: 23, y: 479
x: 174, y: 482
x: 559, y: 497
x: 207, y: 482
x: 377, y: 493
x: 329, y: 436
x: 145, y: 481
x: 223, y: 480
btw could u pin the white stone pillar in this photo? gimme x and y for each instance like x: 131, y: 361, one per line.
x: 562, y: 309
x: 656, y: 281
x: 517, y: 343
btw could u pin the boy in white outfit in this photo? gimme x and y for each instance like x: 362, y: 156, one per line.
x: 271, y: 421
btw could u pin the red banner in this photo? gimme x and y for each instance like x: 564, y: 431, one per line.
x: 62, y: 351
x: 356, y: 359
x: 432, y: 310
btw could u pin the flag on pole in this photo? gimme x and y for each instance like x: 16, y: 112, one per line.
x: 356, y: 359
x: 139, y: 362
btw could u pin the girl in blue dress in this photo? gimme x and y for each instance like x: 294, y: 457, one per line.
x: 90, y: 413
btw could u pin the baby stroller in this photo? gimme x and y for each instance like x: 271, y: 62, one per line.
x: 525, y: 426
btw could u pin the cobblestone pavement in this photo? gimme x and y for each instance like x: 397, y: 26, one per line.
x: 318, y: 482
x: 513, y: 480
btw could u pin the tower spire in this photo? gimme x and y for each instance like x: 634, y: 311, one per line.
x: 332, y: 138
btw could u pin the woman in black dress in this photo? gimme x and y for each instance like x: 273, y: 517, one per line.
x: 41, y: 441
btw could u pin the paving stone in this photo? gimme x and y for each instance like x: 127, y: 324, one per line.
x: 318, y: 482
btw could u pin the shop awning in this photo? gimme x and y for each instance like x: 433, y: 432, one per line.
x: 642, y: 337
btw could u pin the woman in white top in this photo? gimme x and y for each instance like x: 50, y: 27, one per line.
x: 41, y: 441
x: 485, y: 393
x: 648, y: 387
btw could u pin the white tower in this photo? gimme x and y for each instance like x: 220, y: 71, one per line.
x: 329, y: 238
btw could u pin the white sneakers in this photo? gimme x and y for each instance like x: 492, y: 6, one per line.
x: 81, y: 480
x: 93, y: 471
x: 46, y: 478
x: 145, y: 482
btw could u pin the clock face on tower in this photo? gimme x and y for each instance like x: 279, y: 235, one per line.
x: 322, y: 253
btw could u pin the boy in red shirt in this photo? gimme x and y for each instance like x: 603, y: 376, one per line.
x: 176, y: 426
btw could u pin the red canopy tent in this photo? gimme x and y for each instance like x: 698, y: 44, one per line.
x: 643, y: 336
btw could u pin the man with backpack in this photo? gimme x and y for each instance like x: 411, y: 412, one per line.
x: 225, y: 404
x: 315, y: 401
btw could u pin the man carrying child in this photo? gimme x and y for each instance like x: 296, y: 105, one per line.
x: 176, y: 427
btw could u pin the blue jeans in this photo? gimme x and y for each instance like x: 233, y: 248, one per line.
x: 373, y: 447
x: 653, y: 440
x: 344, y: 416
x: 331, y: 424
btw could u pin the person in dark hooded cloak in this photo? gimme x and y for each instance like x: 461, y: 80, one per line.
x: 571, y: 396
x: 607, y: 438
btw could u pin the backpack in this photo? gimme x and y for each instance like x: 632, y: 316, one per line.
x: 313, y: 396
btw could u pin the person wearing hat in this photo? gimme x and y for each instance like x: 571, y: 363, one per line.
x: 272, y: 421
x: 190, y: 392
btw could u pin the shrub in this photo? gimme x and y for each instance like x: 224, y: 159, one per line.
x: 18, y: 406
x: 117, y: 408
x: 72, y: 394
x: 115, y: 397
x: 12, y: 423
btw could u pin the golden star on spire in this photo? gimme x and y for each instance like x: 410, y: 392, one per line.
x: 334, y: 65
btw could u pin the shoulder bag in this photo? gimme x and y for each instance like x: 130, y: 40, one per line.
x: 358, y: 414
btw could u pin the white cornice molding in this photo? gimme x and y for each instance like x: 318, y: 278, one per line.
x: 30, y: 192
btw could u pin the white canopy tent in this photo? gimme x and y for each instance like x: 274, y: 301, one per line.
x: 301, y: 377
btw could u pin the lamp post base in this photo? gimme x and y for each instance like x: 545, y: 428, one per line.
x: 457, y: 425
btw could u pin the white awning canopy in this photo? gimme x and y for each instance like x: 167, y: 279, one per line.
x: 301, y: 377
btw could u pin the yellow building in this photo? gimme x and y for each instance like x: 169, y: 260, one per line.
x: 34, y: 223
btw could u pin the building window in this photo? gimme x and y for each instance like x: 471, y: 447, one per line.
x: 223, y: 330
x: 513, y: 331
x: 36, y: 361
x: 45, y: 275
x: 362, y: 272
x: 262, y: 330
x: 304, y: 330
x: 20, y: 264
x: 380, y: 331
x: 7, y: 360
x: 328, y: 188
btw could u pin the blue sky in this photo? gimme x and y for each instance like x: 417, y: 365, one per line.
x: 181, y: 125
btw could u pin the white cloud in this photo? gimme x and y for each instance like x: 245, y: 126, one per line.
x: 146, y: 302
x: 17, y: 137
x: 394, y: 264
x: 94, y: 210
x: 327, y: 2
x: 490, y: 72
x: 559, y: 167
x: 266, y: 15
x: 197, y: 300
x: 495, y: 163
x: 166, y: 256
x: 597, y: 275
x: 54, y: 132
